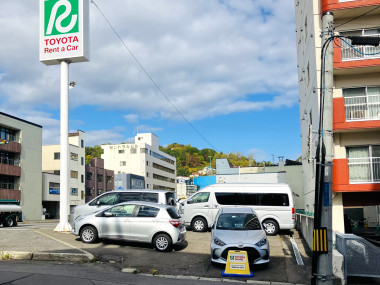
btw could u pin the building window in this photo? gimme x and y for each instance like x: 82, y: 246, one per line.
x: 144, y: 150
x: 360, y: 52
x: 100, y: 178
x: 74, y: 174
x: 57, y: 155
x: 163, y: 158
x: 109, y: 179
x: 82, y: 160
x: 89, y: 176
x: 82, y: 143
x: 7, y: 134
x: 123, y: 163
x: 57, y: 172
x: 147, y: 174
x: 100, y: 191
x: 133, y: 150
x: 121, y: 151
x: 163, y: 168
x: 54, y: 188
x: 364, y: 164
x: 89, y: 191
x: 362, y: 103
x: 73, y: 156
x: 82, y: 178
x: 74, y: 191
x: 163, y: 178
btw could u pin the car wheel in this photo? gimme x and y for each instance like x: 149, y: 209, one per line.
x: 89, y: 234
x: 162, y: 242
x: 10, y: 222
x: 270, y: 227
x: 199, y: 225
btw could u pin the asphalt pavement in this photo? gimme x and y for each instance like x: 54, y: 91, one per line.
x: 189, y: 260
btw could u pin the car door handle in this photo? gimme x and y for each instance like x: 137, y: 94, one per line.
x: 206, y: 206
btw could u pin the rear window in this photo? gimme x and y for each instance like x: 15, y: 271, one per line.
x: 173, y: 213
x: 170, y: 198
x: 252, y: 199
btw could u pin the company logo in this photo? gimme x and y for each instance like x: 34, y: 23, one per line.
x: 61, y: 17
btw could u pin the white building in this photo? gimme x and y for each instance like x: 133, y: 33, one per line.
x: 143, y: 158
x: 51, y: 164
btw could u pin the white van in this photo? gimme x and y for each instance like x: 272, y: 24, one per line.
x: 273, y: 204
x: 115, y: 197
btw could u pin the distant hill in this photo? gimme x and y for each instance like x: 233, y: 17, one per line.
x: 190, y: 159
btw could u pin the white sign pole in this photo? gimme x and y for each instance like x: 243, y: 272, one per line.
x: 64, y: 225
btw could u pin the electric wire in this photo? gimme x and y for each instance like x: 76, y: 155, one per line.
x: 151, y: 79
x: 355, y: 49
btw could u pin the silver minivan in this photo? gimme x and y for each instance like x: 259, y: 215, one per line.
x: 273, y: 203
x: 115, y: 197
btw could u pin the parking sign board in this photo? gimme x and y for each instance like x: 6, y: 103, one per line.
x: 64, y: 31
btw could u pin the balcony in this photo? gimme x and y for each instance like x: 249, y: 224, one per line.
x: 9, y: 194
x: 356, y: 174
x: 11, y: 146
x: 339, y: 7
x: 356, y: 113
x: 350, y: 59
x: 10, y: 167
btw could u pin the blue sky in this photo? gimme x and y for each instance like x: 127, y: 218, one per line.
x: 228, y: 66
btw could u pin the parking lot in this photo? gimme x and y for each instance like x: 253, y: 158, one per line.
x: 190, y: 258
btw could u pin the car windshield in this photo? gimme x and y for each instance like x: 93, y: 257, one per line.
x: 238, y: 222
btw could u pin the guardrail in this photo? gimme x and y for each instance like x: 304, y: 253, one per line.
x: 361, y: 258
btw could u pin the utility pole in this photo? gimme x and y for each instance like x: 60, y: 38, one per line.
x: 323, y: 204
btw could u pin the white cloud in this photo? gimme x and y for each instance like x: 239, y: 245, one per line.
x: 209, y: 57
x: 99, y: 137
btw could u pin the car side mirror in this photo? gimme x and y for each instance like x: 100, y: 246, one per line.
x: 190, y: 201
x: 108, y: 214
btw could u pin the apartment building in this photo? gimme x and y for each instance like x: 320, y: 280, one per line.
x: 98, y: 179
x: 51, y: 164
x: 356, y: 105
x: 144, y: 158
x: 20, y: 164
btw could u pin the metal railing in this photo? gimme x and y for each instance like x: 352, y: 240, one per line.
x: 361, y: 52
x: 9, y: 186
x: 362, y: 107
x: 361, y: 258
x: 14, y: 162
x: 364, y: 169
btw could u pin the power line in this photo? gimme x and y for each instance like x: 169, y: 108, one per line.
x: 151, y: 79
x: 359, y: 16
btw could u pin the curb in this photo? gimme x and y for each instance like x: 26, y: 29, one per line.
x: 257, y: 282
x: 46, y: 256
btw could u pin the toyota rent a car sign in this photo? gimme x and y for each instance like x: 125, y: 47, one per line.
x: 64, y: 31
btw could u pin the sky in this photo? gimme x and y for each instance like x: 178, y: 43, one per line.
x: 228, y: 67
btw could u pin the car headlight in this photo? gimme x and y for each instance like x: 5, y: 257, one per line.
x: 261, y: 242
x: 219, y: 242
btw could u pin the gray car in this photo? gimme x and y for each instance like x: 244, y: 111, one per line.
x: 238, y: 228
x: 138, y: 221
